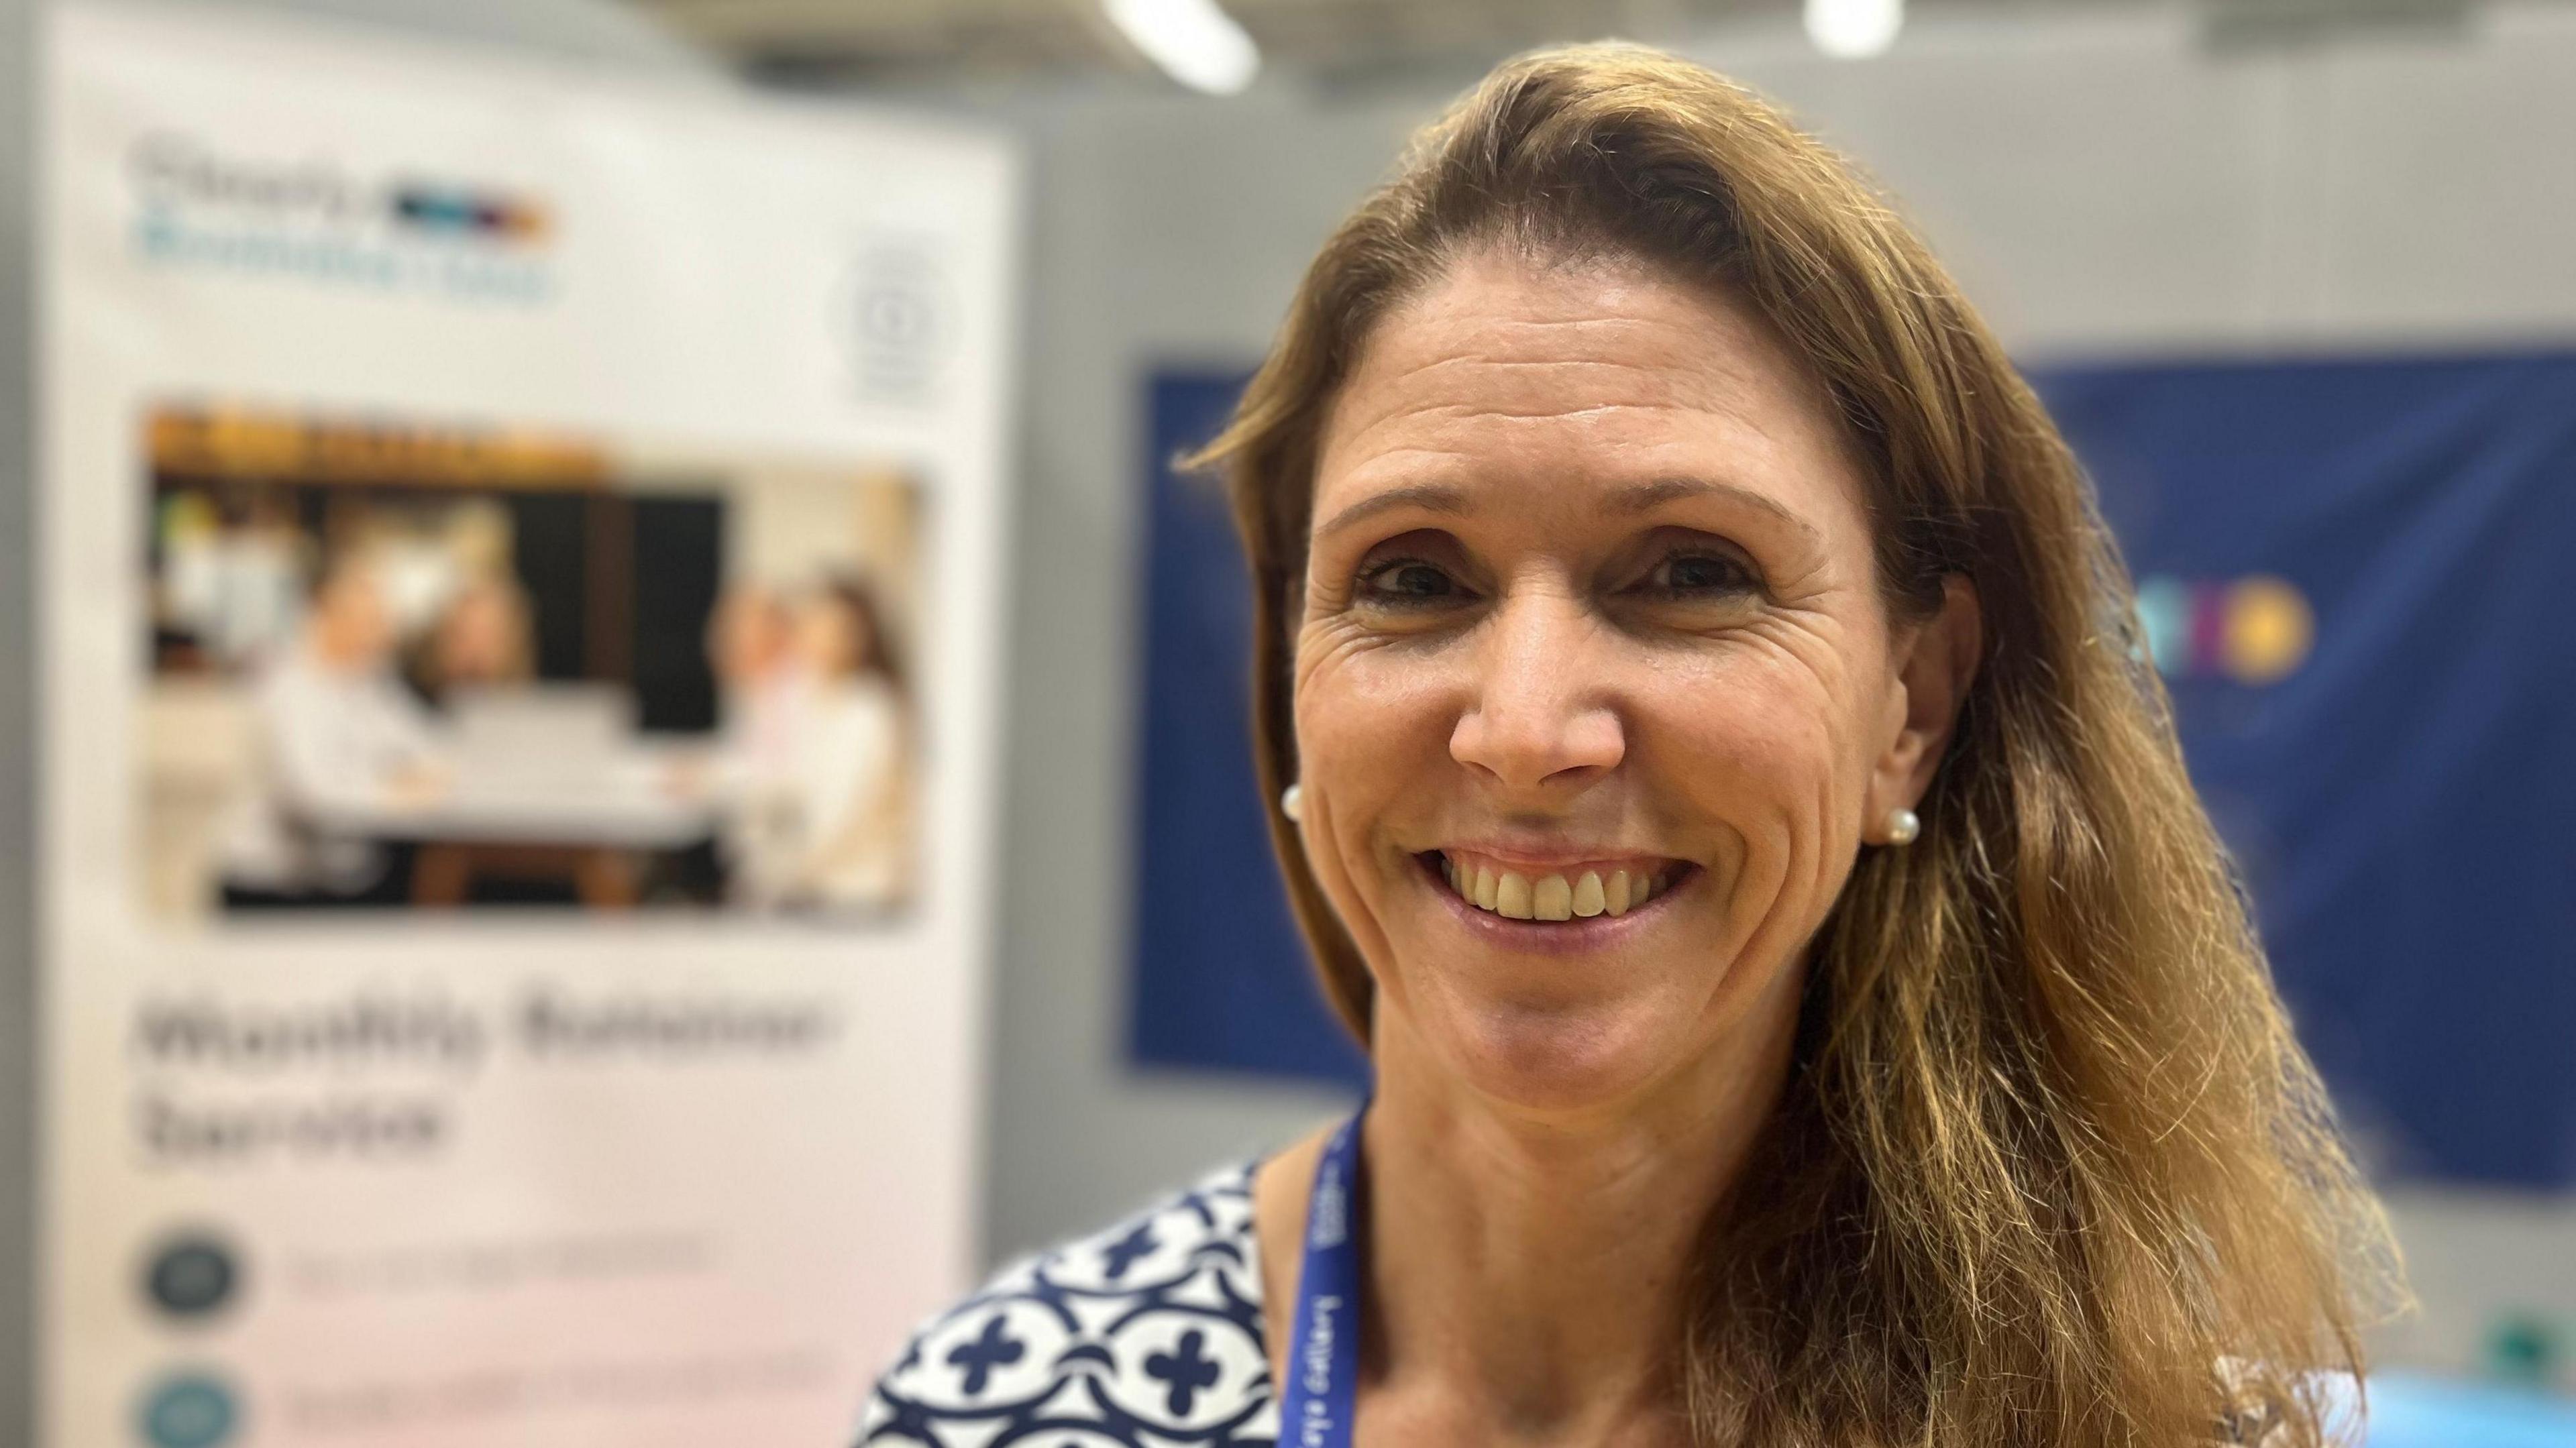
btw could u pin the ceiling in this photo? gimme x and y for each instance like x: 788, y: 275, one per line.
x: 846, y: 41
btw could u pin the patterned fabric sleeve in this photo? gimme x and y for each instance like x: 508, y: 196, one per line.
x: 1147, y: 1334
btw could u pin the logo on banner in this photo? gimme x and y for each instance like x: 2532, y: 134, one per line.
x: 2253, y: 630
x: 898, y: 317
x: 314, y: 219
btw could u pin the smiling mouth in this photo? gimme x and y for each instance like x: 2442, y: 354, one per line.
x: 1577, y: 893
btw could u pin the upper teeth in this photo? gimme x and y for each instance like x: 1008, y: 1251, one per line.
x: 1549, y: 897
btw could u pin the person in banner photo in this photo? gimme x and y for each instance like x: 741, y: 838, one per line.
x: 1716, y: 766
x: 816, y: 764
x: 851, y: 769
x: 338, y: 734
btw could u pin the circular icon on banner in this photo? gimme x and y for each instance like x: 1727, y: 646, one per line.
x: 191, y: 1275
x: 187, y: 1410
x: 898, y: 315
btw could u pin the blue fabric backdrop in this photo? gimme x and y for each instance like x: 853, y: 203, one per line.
x: 2356, y: 575
x: 1221, y: 977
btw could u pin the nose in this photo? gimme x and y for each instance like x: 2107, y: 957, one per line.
x: 1540, y: 715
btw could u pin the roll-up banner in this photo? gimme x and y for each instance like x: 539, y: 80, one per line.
x: 520, y: 616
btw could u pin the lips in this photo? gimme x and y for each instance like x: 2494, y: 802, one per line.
x: 1569, y: 890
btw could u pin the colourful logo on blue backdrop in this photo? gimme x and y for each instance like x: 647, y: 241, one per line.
x: 2253, y: 630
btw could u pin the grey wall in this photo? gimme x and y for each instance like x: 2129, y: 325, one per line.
x: 17, y: 714
x: 1158, y: 233
x: 2101, y: 187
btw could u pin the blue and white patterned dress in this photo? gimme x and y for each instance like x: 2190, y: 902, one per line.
x: 1147, y: 1335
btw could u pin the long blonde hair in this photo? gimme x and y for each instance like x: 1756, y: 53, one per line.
x: 2051, y: 1169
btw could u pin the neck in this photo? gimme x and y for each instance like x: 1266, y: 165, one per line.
x: 1533, y: 1269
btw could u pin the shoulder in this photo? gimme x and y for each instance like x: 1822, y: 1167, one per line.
x: 1146, y: 1333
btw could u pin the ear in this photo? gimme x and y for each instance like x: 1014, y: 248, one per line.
x: 1935, y: 661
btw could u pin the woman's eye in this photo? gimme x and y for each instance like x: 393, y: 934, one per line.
x: 1701, y: 574
x: 1409, y: 583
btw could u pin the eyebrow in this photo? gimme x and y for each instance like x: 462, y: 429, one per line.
x: 1636, y: 498
x: 1646, y: 497
x: 1429, y: 497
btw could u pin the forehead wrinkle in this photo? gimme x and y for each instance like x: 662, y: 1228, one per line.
x: 1701, y: 381
x: 1523, y: 315
x: 1685, y: 373
x: 1493, y: 338
x: 1434, y: 431
x: 1448, y: 384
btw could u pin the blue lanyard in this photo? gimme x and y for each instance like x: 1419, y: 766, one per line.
x: 1324, y: 1350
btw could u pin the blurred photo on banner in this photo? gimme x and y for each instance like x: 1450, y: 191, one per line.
x: 519, y: 690
x: 419, y: 667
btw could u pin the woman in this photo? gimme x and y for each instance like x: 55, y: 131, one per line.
x: 1718, y: 780
x: 484, y: 637
x: 826, y: 815
x: 343, y: 747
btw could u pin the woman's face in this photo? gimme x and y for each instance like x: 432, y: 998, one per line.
x: 829, y: 637
x: 748, y: 637
x: 1596, y: 696
x: 482, y: 638
x: 351, y: 625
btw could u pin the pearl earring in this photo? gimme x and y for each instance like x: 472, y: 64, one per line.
x: 1903, y: 825
x: 1292, y: 802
